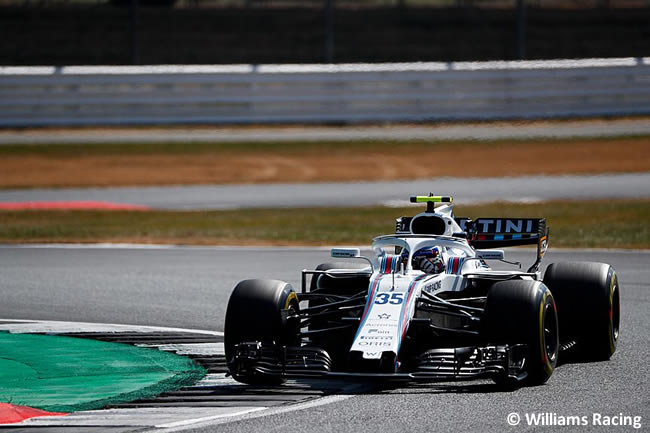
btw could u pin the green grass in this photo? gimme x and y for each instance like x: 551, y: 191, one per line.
x: 614, y: 224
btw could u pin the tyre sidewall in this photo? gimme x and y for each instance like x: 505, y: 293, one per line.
x: 254, y: 314
x: 588, y: 300
x: 516, y: 313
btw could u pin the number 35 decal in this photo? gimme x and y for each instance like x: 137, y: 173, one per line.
x: 390, y: 298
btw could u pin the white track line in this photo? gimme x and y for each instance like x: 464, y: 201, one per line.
x: 270, y: 411
x: 207, y: 419
x: 25, y: 326
x: 203, y: 349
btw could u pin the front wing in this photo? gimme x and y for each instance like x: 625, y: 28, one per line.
x: 447, y: 364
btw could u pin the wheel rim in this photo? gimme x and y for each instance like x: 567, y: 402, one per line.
x: 292, y: 332
x: 550, y: 333
x: 615, y: 314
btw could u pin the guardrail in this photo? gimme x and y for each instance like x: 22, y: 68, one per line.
x: 348, y: 93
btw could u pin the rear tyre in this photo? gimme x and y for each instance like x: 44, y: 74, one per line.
x: 254, y: 314
x: 588, y: 302
x: 523, y: 312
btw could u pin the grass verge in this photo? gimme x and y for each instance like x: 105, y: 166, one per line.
x: 605, y: 224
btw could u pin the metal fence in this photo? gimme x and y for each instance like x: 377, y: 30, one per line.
x: 121, y: 95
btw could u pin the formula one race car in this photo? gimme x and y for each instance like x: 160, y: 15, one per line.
x: 426, y: 307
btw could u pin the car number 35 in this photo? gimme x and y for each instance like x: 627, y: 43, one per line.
x: 390, y: 298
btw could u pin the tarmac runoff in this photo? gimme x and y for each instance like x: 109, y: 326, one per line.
x: 69, y: 205
x: 46, y: 375
x: 523, y: 189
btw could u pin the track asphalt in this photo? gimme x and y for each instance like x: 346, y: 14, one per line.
x: 189, y: 287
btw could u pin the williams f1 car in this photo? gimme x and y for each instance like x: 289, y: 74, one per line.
x: 427, y: 306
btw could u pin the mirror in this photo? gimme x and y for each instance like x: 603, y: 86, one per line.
x: 491, y: 254
x: 345, y: 253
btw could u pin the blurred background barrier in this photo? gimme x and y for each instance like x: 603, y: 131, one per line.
x: 345, y: 93
x: 208, y: 32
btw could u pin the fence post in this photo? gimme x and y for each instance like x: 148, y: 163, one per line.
x: 521, y: 29
x: 135, y: 23
x: 329, y: 31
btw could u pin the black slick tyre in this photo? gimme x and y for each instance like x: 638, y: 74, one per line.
x: 588, y: 301
x: 254, y: 313
x: 524, y: 312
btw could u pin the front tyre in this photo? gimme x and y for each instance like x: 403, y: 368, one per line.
x: 588, y: 302
x: 254, y: 313
x: 524, y: 312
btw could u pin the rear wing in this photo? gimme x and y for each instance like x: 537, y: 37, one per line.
x: 487, y: 233
x: 492, y: 232
x: 507, y: 232
x: 503, y: 232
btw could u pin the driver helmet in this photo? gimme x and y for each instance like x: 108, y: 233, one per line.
x: 428, y: 260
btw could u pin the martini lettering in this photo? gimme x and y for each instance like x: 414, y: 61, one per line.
x: 499, y: 225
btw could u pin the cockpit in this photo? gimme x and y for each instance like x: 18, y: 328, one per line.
x: 408, y: 254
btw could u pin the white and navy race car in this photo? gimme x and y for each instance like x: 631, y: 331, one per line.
x: 427, y: 306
